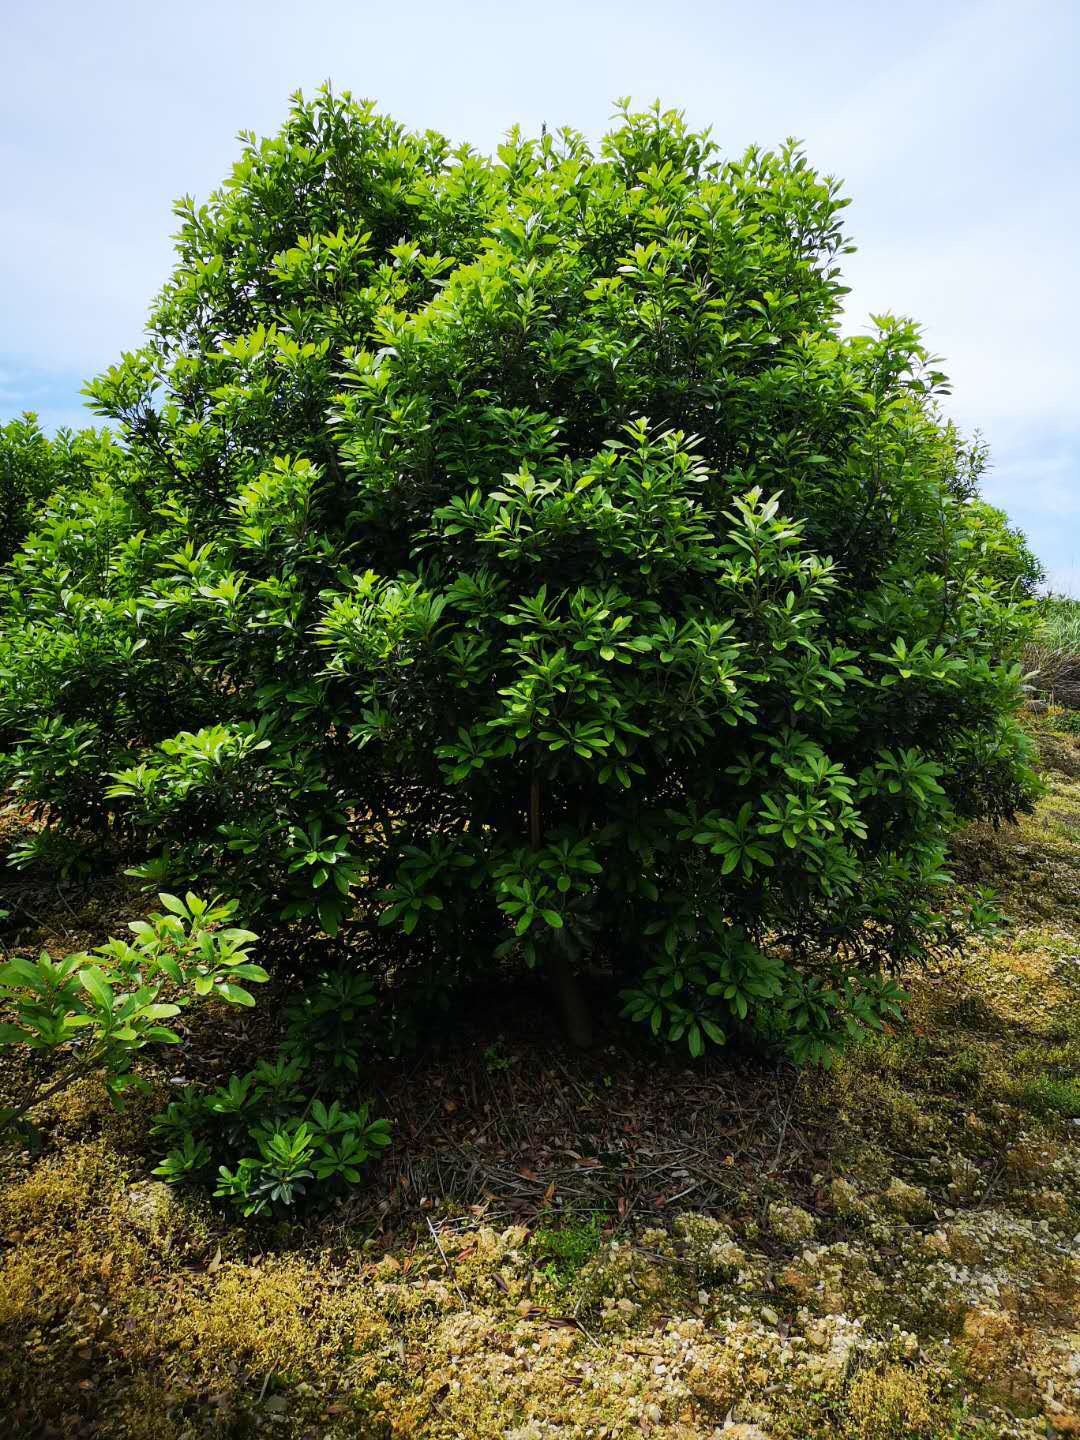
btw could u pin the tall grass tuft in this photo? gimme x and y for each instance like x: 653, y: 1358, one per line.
x: 1053, y: 658
x: 1061, y: 623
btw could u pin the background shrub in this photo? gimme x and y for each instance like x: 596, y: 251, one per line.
x: 28, y: 472
x: 512, y: 556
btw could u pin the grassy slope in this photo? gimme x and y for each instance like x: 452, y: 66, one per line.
x: 891, y: 1250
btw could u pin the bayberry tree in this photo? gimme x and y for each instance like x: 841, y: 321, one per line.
x: 510, y: 560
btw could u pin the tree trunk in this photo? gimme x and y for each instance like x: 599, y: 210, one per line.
x: 576, y: 1019
x: 577, y: 1022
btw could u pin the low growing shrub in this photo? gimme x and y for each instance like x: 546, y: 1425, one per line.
x: 323, y: 1024
x: 95, y: 1011
x: 268, y: 1144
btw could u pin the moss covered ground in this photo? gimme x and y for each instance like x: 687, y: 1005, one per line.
x: 603, y: 1245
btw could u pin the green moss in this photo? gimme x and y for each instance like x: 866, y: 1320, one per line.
x: 562, y: 1252
x: 1047, y: 1096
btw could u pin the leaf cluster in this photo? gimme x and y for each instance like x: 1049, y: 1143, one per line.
x: 96, y: 1011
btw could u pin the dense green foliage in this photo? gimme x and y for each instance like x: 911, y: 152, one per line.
x: 283, y: 1145
x: 1004, y: 553
x: 511, y: 556
x: 31, y: 468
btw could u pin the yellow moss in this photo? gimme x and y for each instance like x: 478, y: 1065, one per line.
x: 18, y: 1291
x: 62, y: 1189
x: 717, y: 1379
x: 278, y: 1317
x: 870, y: 1085
x: 992, y: 1355
x: 144, y: 1411
x: 1055, y: 1295
x: 84, y: 1109
x: 709, y: 1244
x: 893, y: 1403
x: 1032, y: 1158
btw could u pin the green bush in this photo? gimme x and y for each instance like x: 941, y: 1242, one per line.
x: 35, y: 469
x: 323, y: 1024
x: 95, y: 1012
x: 28, y: 473
x: 510, y: 558
x: 283, y: 1135
x: 283, y: 1146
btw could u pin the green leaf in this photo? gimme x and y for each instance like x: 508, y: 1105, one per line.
x: 234, y: 994
x: 713, y: 1031
x: 19, y: 972
x: 168, y: 966
x: 97, y: 987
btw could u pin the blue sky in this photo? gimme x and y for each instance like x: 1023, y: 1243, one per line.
x: 956, y: 129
